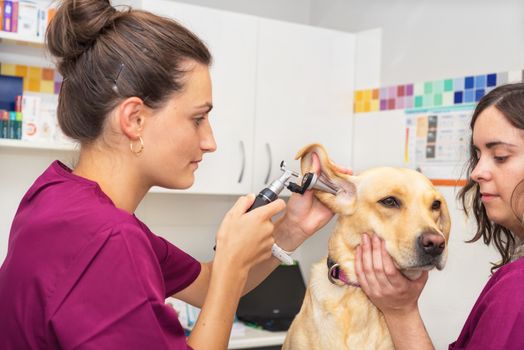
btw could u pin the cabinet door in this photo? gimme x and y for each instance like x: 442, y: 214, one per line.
x: 231, y: 39
x: 305, y: 78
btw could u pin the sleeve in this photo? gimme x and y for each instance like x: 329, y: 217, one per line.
x: 117, y: 300
x: 179, y: 269
x: 498, y: 322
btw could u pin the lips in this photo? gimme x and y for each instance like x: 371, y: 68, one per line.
x: 486, y: 197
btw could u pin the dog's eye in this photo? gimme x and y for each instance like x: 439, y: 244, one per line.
x: 435, y: 205
x: 390, y: 202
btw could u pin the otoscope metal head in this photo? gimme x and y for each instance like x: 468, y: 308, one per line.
x: 321, y: 183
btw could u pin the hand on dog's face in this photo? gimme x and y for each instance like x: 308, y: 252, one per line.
x: 400, y: 205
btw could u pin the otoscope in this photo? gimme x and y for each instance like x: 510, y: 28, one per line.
x: 270, y: 193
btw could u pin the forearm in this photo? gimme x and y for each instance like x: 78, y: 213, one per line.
x: 213, y: 327
x: 408, y: 331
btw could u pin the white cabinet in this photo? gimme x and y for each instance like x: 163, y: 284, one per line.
x: 304, y: 89
x: 231, y: 39
x: 276, y: 87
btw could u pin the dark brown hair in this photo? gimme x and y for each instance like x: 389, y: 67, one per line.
x: 106, y: 55
x: 509, y: 100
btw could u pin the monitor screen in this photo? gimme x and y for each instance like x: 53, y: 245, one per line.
x: 274, y: 302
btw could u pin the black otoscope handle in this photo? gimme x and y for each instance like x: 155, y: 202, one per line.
x: 264, y: 197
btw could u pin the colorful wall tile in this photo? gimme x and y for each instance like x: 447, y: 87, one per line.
x: 36, y: 79
x: 430, y: 94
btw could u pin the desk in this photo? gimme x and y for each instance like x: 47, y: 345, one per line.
x: 254, y: 338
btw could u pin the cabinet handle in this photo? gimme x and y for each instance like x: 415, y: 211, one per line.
x: 243, y: 151
x: 268, y: 148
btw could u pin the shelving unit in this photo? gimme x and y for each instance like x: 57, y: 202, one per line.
x: 21, y: 39
x: 38, y: 145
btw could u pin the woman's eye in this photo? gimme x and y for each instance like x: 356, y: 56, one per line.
x: 198, y: 120
x: 500, y: 159
x: 390, y: 202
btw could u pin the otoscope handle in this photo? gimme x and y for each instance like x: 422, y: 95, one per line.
x: 265, y: 196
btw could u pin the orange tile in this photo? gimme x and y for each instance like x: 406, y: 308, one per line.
x: 20, y: 71
x: 35, y: 73
x: 48, y: 74
x: 374, y: 94
x: 26, y: 84
x: 33, y: 85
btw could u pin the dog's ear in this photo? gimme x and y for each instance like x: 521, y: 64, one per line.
x: 345, y: 200
x: 444, y: 220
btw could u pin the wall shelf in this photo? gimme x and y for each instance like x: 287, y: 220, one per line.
x: 21, y: 39
x: 38, y: 145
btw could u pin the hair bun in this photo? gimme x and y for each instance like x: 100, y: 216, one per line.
x: 76, y: 26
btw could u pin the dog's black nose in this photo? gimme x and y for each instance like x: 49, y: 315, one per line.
x: 432, y: 243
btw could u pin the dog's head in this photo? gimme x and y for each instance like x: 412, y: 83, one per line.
x: 400, y: 205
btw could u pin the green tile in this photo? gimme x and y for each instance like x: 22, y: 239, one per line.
x: 428, y: 100
x: 438, y: 100
x: 438, y: 86
x: 418, y: 101
x: 428, y: 87
x: 448, y: 85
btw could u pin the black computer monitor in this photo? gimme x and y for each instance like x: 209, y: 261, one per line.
x: 274, y: 303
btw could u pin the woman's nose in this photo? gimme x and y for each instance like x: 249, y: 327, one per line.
x: 207, y: 143
x: 480, y: 172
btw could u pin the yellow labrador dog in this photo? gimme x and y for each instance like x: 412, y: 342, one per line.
x: 403, y: 208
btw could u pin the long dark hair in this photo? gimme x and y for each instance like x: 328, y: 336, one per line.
x: 509, y: 100
x: 106, y: 55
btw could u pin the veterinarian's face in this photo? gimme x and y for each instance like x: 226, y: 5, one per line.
x: 181, y: 132
x: 500, y: 153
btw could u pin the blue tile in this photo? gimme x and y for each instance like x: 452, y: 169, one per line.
x: 457, y: 98
x: 469, y: 82
x: 469, y: 95
x: 458, y: 84
x: 492, y: 79
x: 480, y: 82
x: 478, y: 94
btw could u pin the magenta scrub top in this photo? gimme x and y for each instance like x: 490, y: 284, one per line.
x: 496, y: 322
x: 81, y: 273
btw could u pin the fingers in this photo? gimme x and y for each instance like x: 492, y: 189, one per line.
x: 242, y: 204
x: 269, y: 210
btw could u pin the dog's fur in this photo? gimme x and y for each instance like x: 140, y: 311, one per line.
x: 341, y: 316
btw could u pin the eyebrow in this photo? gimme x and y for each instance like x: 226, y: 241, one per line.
x: 206, y: 105
x: 493, y: 144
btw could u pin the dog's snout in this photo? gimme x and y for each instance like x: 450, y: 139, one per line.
x: 432, y: 243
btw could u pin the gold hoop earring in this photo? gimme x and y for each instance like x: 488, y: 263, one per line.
x: 140, y: 149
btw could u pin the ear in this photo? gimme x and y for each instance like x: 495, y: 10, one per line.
x: 444, y: 220
x: 130, y: 115
x: 314, y: 158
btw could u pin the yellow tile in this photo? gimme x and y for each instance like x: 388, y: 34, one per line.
x: 20, y: 71
x: 8, y: 69
x: 358, y: 95
x: 26, y: 84
x: 359, y: 107
x: 367, y: 95
x: 33, y: 85
x: 367, y: 106
x: 35, y: 73
x: 375, y: 105
x: 47, y: 86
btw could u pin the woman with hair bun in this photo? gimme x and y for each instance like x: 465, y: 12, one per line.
x: 82, y: 271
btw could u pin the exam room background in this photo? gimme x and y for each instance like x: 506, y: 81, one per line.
x: 421, y: 40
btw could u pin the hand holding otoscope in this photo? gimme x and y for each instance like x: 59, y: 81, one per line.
x: 270, y: 194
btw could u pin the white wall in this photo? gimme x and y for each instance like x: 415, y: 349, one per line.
x: 427, y: 39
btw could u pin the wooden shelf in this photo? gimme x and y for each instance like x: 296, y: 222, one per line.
x: 38, y: 145
x: 21, y: 39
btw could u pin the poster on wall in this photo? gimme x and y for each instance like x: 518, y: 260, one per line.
x: 437, y: 144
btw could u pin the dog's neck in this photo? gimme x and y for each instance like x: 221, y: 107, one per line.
x: 337, y: 276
